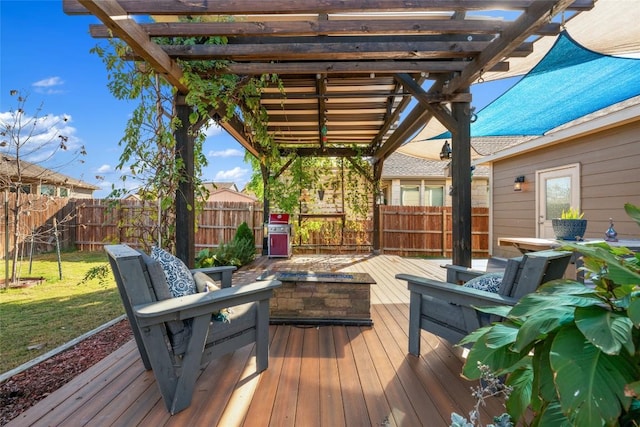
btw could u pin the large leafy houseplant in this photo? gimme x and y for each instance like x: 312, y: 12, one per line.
x: 571, y: 352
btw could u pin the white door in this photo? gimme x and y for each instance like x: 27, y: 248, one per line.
x: 556, y: 189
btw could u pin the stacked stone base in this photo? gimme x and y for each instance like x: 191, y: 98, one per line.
x: 322, y: 298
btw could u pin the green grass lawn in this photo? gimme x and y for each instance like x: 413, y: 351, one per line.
x: 56, y: 311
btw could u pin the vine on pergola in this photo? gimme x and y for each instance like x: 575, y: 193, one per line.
x: 149, y: 145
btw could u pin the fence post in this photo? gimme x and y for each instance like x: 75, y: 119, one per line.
x: 444, y: 232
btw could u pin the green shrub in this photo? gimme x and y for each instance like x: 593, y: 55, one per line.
x: 244, y: 233
x: 240, y: 251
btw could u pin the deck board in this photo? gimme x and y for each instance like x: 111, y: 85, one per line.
x: 317, y: 376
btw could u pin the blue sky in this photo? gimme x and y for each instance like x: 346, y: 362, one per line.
x: 45, y: 54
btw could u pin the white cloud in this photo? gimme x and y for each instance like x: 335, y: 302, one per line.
x: 39, y: 139
x: 234, y: 174
x: 229, y: 152
x: 104, y: 169
x: 212, y: 129
x: 49, y: 86
x: 48, y: 82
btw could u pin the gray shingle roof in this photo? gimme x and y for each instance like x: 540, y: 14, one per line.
x: 399, y: 165
x: 32, y: 172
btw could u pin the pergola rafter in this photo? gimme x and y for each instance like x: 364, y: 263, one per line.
x: 349, y: 69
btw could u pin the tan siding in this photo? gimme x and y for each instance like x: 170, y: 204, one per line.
x: 610, y: 177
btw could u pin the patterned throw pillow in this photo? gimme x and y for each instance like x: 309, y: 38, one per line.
x: 489, y: 282
x: 179, y: 277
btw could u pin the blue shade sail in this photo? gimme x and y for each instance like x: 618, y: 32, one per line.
x: 568, y: 83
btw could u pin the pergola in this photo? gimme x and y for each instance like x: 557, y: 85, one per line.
x: 350, y: 70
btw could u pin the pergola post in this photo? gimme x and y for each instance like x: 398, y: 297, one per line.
x: 377, y: 173
x: 461, y: 177
x: 185, y: 198
x: 265, y: 208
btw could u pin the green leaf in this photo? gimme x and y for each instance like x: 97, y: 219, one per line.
x: 501, y: 310
x: 633, y: 212
x: 617, y: 269
x: 531, y: 304
x: 539, y: 325
x: 634, y: 311
x: 474, y: 336
x: 564, y: 287
x: 499, y: 359
x: 605, y: 329
x: 501, y: 334
x: 552, y: 416
x: 544, y: 388
x: 590, y: 383
x: 521, y: 380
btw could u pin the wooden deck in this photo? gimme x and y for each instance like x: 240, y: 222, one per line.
x: 317, y: 376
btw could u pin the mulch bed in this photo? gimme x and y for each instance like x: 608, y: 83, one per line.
x: 23, y: 390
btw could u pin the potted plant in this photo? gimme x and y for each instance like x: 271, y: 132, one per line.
x: 570, y: 225
x: 571, y: 351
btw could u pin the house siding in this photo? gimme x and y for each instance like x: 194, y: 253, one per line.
x: 609, y: 178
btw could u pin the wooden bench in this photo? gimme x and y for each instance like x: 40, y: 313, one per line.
x: 177, y: 336
x: 447, y: 309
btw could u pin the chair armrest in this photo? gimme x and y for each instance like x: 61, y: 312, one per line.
x: 458, y: 274
x: 222, y: 273
x: 454, y: 294
x: 190, y: 306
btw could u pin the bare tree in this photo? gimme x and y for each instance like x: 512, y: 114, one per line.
x: 28, y: 141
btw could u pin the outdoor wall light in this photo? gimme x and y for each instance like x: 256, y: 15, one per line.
x: 517, y: 184
x: 445, y: 153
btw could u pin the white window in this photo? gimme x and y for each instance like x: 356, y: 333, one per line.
x: 410, y: 195
x: 434, y: 196
x: 48, y: 190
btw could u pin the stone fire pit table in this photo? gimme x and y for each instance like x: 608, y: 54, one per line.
x: 321, y: 298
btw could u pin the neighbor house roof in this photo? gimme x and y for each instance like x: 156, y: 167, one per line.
x: 32, y: 172
x: 219, y: 185
x: 400, y: 165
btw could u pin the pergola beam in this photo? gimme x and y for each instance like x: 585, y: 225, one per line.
x: 338, y: 50
x: 111, y: 13
x: 351, y: 67
x: 436, y: 109
x: 412, y: 26
x: 252, y: 7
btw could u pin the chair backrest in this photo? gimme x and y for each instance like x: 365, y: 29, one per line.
x: 141, y: 280
x: 525, y: 275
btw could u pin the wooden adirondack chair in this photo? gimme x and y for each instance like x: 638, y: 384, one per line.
x: 177, y: 336
x: 446, y: 309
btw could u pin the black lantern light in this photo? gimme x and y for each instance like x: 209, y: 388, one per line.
x: 445, y: 153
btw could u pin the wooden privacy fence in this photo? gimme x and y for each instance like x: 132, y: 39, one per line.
x: 404, y: 231
x: 37, y: 215
x: 99, y: 224
x: 427, y: 231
